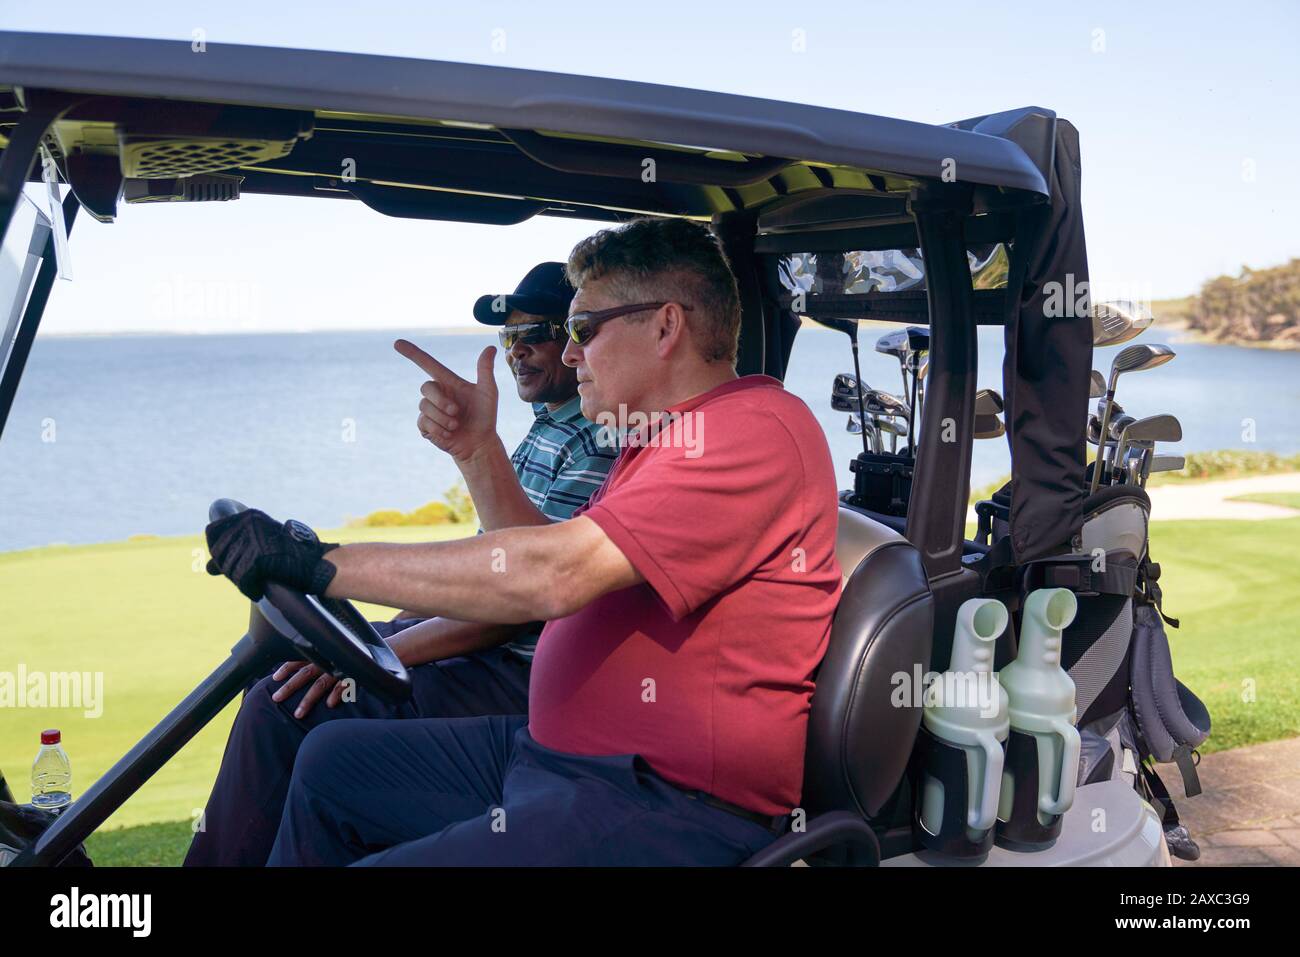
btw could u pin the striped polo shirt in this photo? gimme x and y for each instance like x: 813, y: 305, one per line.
x: 560, y: 463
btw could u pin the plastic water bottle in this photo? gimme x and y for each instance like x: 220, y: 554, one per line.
x: 51, y: 773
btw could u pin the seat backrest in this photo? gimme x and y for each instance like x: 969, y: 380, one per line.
x: 863, y: 724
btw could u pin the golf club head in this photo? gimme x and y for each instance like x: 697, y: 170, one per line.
x: 989, y: 427
x: 1096, y: 385
x: 845, y: 384
x: 1154, y: 428
x: 1115, y: 408
x: 988, y: 402
x: 892, y: 425
x: 1141, y: 357
x: 1167, y: 463
x: 1094, y: 430
x: 1117, y: 322
x: 880, y: 402
x: 902, y: 342
x: 844, y: 403
x: 854, y: 425
x: 1117, y: 426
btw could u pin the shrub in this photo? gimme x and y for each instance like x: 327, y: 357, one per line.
x: 1229, y: 463
x: 458, y: 508
x: 460, y: 503
x: 385, y: 518
x: 435, y: 513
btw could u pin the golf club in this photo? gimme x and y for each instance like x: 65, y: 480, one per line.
x: 989, y: 426
x: 1162, y: 463
x: 1117, y: 322
x: 1118, y: 424
x: 882, y: 406
x: 1155, y: 428
x: 1137, y: 454
x: 988, y: 402
x: 902, y: 343
x: 922, y: 373
x: 1130, y: 359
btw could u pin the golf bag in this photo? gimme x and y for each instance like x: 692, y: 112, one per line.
x: 1132, y: 712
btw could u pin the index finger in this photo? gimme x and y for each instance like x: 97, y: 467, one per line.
x: 428, y: 363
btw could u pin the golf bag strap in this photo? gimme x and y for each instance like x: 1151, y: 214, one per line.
x: 1185, y: 758
x: 1076, y: 572
x: 1147, y: 590
x: 1159, y: 794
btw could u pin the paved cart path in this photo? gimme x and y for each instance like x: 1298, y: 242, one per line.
x: 1203, y: 500
x: 1249, y: 812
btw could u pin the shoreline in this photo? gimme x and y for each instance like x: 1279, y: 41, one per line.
x: 1264, y: 345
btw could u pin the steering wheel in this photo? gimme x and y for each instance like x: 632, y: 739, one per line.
x: 329, y: 632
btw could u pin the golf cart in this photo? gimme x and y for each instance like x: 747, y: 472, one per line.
x: 826, y: 215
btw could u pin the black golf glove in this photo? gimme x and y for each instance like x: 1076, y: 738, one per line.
x: 251, y: 548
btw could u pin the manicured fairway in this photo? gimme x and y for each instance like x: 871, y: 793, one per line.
x: 139, y: 612
x: 146, y: 615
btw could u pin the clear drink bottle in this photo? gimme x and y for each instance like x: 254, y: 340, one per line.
x: 51, y: 774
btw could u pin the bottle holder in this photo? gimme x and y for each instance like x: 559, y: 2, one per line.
x: 1022, y: 830
x: 947, y: 764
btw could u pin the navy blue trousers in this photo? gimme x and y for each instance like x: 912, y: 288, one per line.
x: 243, y: 813
x: 481, y: 791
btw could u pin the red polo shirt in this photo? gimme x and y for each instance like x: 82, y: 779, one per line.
x: 729, y: 512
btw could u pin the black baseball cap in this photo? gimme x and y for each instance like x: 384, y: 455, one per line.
x: 545, y: 291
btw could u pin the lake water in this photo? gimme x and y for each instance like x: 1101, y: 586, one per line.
x: 112, y: 437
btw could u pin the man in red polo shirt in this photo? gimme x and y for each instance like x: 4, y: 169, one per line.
x: 688, y: 605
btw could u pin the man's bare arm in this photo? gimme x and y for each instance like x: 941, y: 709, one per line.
x: 460, y: 417
x: 430, y: 640
x: 499, y: 499
x: 514, y: 575
x: 439, y: 638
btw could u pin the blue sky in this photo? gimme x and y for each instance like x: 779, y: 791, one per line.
x: 1187, y: 115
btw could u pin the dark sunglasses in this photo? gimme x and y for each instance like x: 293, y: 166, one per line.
x: 530, y: 333
x: 582, y: 326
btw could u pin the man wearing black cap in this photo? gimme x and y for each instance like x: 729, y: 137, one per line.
x: 564, y: 458
x: 458, y: 668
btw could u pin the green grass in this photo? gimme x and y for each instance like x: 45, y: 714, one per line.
x: 1233, y: 586
x: 138, y: 612
x: 144, y: 845
x: 1284, y: 499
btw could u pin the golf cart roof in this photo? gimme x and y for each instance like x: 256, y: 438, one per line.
x: 489, y: 144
